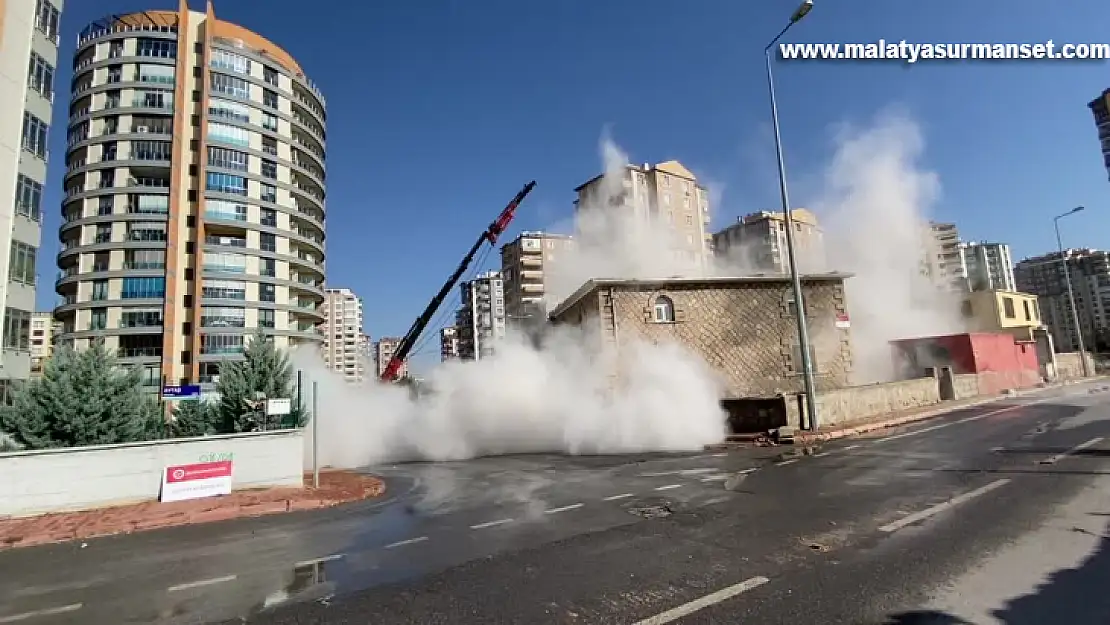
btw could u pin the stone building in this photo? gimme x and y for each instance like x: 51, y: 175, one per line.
x: 743, y: 327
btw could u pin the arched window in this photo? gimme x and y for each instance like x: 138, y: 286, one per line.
x: 664, y: 310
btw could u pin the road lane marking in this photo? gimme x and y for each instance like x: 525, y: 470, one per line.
x: 402, y: 543
x: 64, y: 609
x: 849, y: 447
x: 822, y: 454
x: 668, y: 487
x: 718, y: 456
x: 1071, y: 452
x: 700, y: 604
x: 941, y: 507
x: 785, y: 462
x: 573, y: 506
x: 481, y: 526
x: 964, y: 420
x: 620, y: 496
x: 681, y: 472
x: 716, y: 478
x: 335, y: 556
x: 202, y: 582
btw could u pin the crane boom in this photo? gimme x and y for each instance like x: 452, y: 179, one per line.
x: 393, y: 367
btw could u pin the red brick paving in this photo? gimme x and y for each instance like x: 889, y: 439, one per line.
x: 336, y: 487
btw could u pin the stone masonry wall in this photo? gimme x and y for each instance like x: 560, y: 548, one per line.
x: 747, y: 331
x: 857, y: 403
x: 1070, y: 367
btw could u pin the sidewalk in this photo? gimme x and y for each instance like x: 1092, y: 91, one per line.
x: 336, y: 487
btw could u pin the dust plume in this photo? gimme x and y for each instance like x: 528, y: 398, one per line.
x: 874, y: 207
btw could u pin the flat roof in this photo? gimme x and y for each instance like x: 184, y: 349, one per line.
x: 596, y: 283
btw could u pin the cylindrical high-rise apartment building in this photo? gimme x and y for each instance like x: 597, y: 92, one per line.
x: 194, y: 194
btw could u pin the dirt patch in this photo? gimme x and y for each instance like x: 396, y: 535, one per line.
x: 336, y: 487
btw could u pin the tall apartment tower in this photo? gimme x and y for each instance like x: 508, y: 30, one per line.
x: 1100, y: 108
x: 1089, y: 269
x: 448, y: 343
x: 665, y: 193
x: 193, y: 210
x: 757, y: 243
x: 943, y: 259
x: 28, y: 56
x: 383, y: 351
x: 42, y: 341
x: 987, y: 266
x: 342, y: 330
x: 481, y: 321
x: 526, y: 263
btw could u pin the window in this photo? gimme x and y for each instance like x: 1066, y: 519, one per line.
x: 152, y: 99
x: 141, y: 288
x: 150, y: 150
x: 269, y: 217
x: 1026, y: 310
x: 46, y: 19
x: 269, y: 145
x: 270, y: 121
x: 21, y: 263
x: 227, y: 159
x: 266, y: 293
x: 222, y: 209
x: 230, y: 85
x: 232, y: 135
x: 145, y: 259
x: 268, y: 192
x: 98, y: 320
x: 796, y: 365
x: 103, y: 233
x: 148, y: 204
x: 663, y: 310
x: 267, y: 267
x: 209, y: 372
x: 229, y: 110
x: 34, y: 135
x: 146, y: 231
x: 28, y: 198
x: 270, y: 75
x: 161, y: 48
x: 220, y: 317
x: 270, y: 98
x: 229, y: 61
x: 1008, y: 308
x: 224, y: 262
x: 17, y: 329
x: 115, y: 74
x: 40, y: 76
x: 141, y: 318
x: 224, y: 289
x: 161, y: 74
x: 269, y: 169
x: 266, y: 318
x: 226, y: 183
x: 221, y: 343
x: 105, y: 204
x: 99, y: 290
x: 267, y: 242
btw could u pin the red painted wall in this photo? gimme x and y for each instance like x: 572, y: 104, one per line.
x: 1003, y: 363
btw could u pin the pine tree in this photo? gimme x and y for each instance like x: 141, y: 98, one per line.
x: 194, y: 418
x: 83, y: 398
x: 264, y: 373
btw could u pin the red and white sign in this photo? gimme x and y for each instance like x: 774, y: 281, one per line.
x: 842, y: 321
x: 194, y: 481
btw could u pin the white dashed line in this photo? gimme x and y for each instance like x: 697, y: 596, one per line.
x: 716, y: 478
x: 573, y: 506
x: 1071, y: 452
x: 668, y: 487
x: 203, y: 582
x: 490, y: 524
x: 718, y: 456
x: 330, y: 558
x: 941, y: 507
x: 785, y: 462
x: 15, y: 618
x: 822, y: 454
x: 700, y: 604
x: 402, y: 543
x: 852, y: 447
x: 620, y: 496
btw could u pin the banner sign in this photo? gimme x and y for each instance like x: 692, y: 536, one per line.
x: 195, y: 481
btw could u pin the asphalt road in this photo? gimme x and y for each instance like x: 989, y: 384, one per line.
x: 938, y: 523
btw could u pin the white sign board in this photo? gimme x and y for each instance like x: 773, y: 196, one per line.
x: 277, y: 407
x: 843, y: 322
x: 195, y: 481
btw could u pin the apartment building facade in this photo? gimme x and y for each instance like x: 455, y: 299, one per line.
x: 384, y: 348
x: 526, y: 265
x: 43, y: 329
x: 448, y: 343
x: 756, y: 243
x: 193, y: 210
x: 943, y: 262
x: 28, y: 58
x: 1044, y: 277
x: 987, y: 266
x: 666, y: 193
x: 1100, y: 108
x: 481, y: 321
x: 342, y: 332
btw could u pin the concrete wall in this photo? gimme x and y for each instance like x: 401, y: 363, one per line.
x: 965, y: 385
x: 77, y: 478
x: 1069, y: 366
x: 856, y: 403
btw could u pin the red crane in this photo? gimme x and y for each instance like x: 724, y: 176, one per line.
x: 495, y: 229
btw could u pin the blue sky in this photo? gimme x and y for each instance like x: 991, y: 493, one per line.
x: 440, y: 110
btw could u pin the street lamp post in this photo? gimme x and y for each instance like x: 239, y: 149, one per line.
x: 795, y: 278
x: 1071, y: 293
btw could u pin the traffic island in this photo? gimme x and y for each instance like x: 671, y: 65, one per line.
x: 336, y: 487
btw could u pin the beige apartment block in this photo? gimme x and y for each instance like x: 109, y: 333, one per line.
x: 665, y: 193
x: 43, y: 329
x: 28, y: 58
x: 744, y: 327
x: 526, y: 263
x: 448, y: 343
x: 756, y: 243
x: 193, y: 207
x: 343, y: 347
x: 383, y: 352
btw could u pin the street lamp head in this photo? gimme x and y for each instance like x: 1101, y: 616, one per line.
x: 1077, y: 209
x: 801, y: 11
